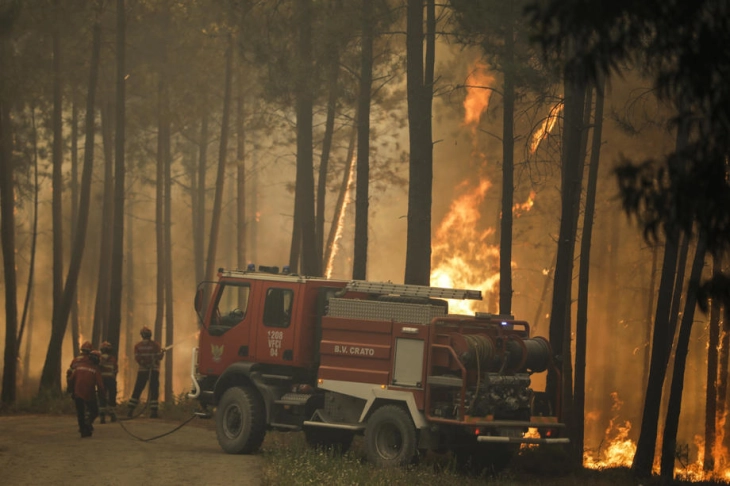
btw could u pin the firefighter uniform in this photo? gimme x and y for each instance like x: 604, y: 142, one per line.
x: 148, y: 354
x: 85, y: 380
x: 109, y: 368
x: 86, y: 349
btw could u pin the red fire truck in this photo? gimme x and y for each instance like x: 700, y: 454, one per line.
x: 336, y: 358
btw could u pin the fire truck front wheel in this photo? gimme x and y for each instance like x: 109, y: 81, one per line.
x: 390, y: 437
x: 240, y: 423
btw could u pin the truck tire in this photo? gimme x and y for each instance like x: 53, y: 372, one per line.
x: 240, y: 423
x: 324, y: 438
x: 390, y: 437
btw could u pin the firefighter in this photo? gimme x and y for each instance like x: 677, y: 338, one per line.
x: 86, y: 349
x: 85, y: 380
x: 148, y: 355
x: 109, y: 368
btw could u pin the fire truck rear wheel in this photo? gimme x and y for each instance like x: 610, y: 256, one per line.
x: 390, y: 437
x: 324, y: 438
x: 240, y: 421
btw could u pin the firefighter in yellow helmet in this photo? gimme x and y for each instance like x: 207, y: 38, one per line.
x: 148, y: 354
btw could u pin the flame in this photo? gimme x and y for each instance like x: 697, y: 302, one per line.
x: 461, y: 255
x: 546, y: 127
x: 477, y: 93
x: 620, y: 449
x: 329, y: 266
x: 519, y: 208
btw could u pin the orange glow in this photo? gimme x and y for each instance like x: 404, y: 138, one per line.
x: 461, y: 255
x: 478, y: 93
x: 620, y: 449
x: 329, y: 265
x: 519, y: 208
x: 546, y: 127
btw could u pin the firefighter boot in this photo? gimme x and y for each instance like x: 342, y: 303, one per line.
x: 102, y: 418
x: 154, y: 414
x: 130, y: 412
x: 113, y: 416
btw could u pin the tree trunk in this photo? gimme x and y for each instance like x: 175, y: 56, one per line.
x: 101, y: 307
x: 660, y: 347
x: 129, y: 303
x: 51, y: 377
x: 304, y: 196
x: 712, y: 375
x: 74, y: 217
x: 581, y: 324
x: 572, y: 173
x: 163, y: 136
x: 420, y: 165
x: 168, y: 276
x: 669, y: 438
x: 241, y: 174
x: 199, y: 202
x: 329, y: 128
x: 362, y: 182
x: 220, y: 176
x: 7, y: 233
x: 117, y: 259
x: 508, y: 189
x: 34, y: 240
x: 650, y: 299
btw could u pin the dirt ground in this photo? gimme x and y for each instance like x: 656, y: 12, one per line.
x: 46, y: 449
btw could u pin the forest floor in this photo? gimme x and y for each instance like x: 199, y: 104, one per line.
x: 48, y: 449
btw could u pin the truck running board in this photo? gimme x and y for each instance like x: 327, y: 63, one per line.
x: 522, y: 440
x: 336, y: 425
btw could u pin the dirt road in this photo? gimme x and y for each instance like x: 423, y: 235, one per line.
x: 45, y: 449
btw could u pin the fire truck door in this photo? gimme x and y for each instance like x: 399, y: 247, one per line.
x: 276, y: 345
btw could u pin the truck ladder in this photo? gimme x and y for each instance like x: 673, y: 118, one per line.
x: 412, y: 290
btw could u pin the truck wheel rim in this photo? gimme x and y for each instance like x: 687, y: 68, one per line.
x: 389, y: 441
x: 232, y: 420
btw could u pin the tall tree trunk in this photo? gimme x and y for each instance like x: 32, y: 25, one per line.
x: 130, y: 298
x: 333, y: 73
x: 712, y: 375
x: 199, y: 202
x: 7, y: 234
x: 115, y: 294
x: 74, y: 217
x: 304, y: 196
x: 669, y: 437
x: 581, y: 325
x: 51, y: 377
x: 220, y: 176
x: 101, y: 305
x: 660, y: 346
x: 34, y: 240
x: 167, y: 237
x: 241, y: 174
x: 508, y: 189
x: 572, y: 173
x: 362, y: 196
x: 651, y: 300
x: 163, y: 135
x: 419, y: 85
x: 49, y: 380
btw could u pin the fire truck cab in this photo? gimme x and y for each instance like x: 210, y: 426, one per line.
x: 337, y: 358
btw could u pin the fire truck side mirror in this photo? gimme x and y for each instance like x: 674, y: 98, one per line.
x: 198, y: 300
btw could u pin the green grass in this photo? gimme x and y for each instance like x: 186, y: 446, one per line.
x: 289, y: 461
